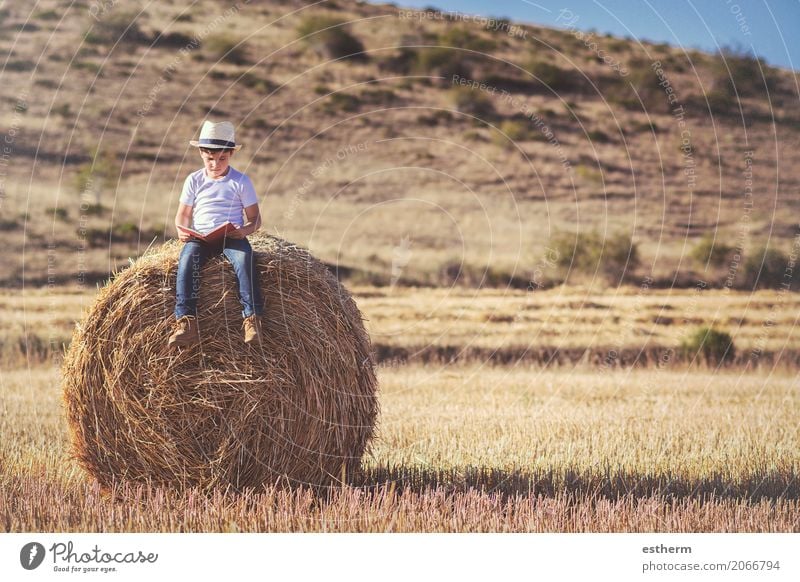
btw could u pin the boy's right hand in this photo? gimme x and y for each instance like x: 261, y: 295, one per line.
x: 183, y: 218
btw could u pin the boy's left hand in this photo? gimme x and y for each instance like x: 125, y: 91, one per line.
x: 238, y: 233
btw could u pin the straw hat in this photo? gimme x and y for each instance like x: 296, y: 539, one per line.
x: 216, y: 136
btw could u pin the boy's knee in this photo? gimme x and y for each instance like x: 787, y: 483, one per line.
x: 238, y: 255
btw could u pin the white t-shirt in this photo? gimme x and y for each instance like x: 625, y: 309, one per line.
x: 216, y: 202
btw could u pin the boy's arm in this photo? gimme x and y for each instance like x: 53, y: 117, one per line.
x: 184, y: 218
x: 253, y: 222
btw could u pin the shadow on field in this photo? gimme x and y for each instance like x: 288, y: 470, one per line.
x: 767, y: 484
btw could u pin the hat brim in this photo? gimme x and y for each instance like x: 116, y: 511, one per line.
x: 196, y: 144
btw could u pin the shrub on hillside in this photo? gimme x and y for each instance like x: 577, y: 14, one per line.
x: 443, y: 62
x: 93, y: 209
x: 620, y: 256
x: 20, y: 65
x: 598, y: 136
x: 328, y: 36
x: 9, y: 224
x: 463, y: 38
x: 736, y: 71
x: 340, y: 102
x: 57, y: 213
x: 444, y: 58
x: 173, y: 40
x: 613, y: 256
x: 590, y: 174
x: 515, y: 130
x: 639, y: 89
x: 553, y: 76
x: 95, y: 176
x: 253, y: 81
x: 435, y: 117
x: 379, y: 96
x: 47, y: 15
x: 116, y: 26
x: 472, y: 102
x: 711, y: 250
x: 401, y: 61
x: 227, y: 48
x: 766, y: 269
x: 712, y: 346
x: 719, y: 102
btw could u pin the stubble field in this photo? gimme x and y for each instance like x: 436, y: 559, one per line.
x: 462, y: 446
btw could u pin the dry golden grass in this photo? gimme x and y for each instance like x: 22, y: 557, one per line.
x: 680, y: 426
x: 469, y: 448
x: 575, y: 317
x: 476, y: 322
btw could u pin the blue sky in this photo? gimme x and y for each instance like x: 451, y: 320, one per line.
x: 769, y: 28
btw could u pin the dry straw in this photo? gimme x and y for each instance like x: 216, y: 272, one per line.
x: 299, y: 409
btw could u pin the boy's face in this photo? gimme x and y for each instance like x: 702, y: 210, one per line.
x: 216, y: 161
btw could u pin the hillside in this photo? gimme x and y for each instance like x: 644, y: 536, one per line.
x: 407, y: 147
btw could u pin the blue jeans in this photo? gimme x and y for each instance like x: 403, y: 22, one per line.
x: 194, y: 255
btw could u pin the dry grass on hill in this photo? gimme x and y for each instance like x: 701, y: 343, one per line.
x: 409, y: 158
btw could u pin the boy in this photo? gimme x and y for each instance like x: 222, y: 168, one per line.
x: 216, y: 194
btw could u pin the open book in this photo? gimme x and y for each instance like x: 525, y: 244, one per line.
x: 214, y: 236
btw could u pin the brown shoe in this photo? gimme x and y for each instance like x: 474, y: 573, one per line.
x: 186, y: 333
x: 252, y: 329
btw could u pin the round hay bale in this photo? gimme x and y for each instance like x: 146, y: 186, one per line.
x: 298, y: 409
